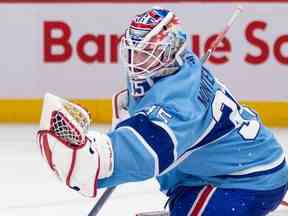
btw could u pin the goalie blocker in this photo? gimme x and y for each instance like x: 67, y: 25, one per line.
x: 78, y: 157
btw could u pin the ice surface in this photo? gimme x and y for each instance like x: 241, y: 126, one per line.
x: 27, y: 188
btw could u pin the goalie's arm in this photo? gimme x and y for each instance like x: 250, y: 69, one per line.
x: 138, y: 148
x: 142, y: 149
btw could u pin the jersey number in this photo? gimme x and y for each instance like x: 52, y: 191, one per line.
x: 226, y: 109
x: 137, y: 89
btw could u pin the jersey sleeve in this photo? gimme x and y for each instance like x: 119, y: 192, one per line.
x: 143, y: 148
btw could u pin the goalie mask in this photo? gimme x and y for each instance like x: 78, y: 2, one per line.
x: 151, y: 46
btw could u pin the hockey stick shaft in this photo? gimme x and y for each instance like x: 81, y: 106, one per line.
x: 222, y: 34
x: 101, y: 201
x: 203, y: 59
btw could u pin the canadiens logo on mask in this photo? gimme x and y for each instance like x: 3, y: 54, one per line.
x: 151, y: 45
x: 144, y: 23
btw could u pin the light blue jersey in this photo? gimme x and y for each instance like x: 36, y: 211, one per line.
x: 189, y: 130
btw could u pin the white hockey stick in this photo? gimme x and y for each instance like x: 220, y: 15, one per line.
x: 203, y: 59
x: 222, y: 34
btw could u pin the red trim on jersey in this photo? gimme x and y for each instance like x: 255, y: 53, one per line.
x: 201, y: 201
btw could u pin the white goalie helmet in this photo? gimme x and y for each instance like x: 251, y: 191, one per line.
x: 152, y: 44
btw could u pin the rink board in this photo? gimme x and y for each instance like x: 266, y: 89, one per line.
x: 272, y: 113
x: 252, y: 61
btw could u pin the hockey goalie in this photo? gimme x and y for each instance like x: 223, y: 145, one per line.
x: 175, y: 122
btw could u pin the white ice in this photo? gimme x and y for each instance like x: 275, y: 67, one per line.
x: 27, y: 188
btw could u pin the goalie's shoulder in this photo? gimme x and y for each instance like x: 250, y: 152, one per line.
x: 190, y: 58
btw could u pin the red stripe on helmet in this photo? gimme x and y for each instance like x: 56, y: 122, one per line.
x: 141, y: 25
